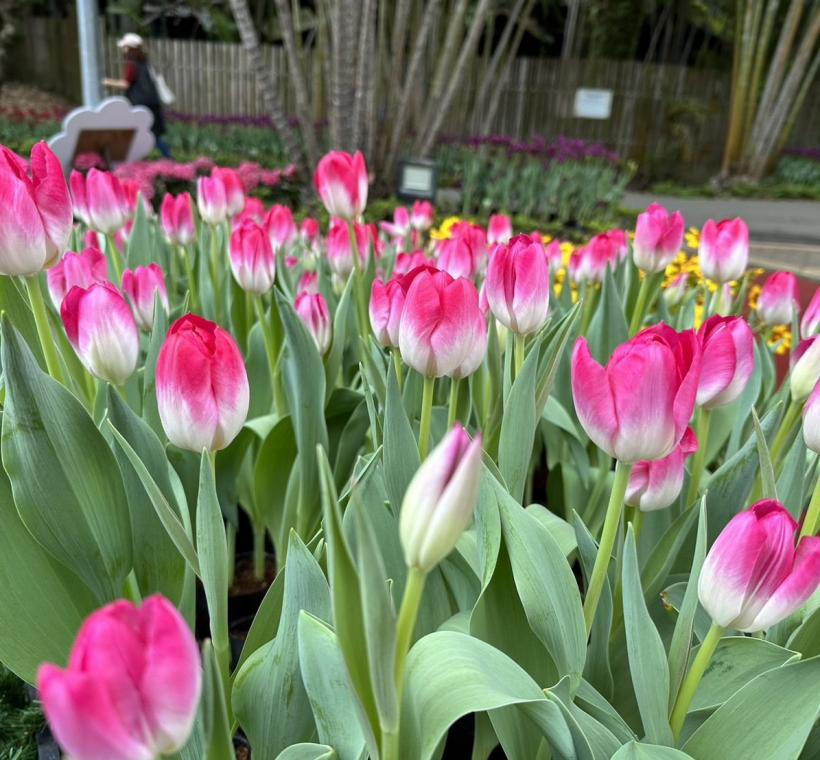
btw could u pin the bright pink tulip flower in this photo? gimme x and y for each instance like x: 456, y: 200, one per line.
x: 554, y: 254
x: 107, y: 204
x: 141, y: 286
x: 805, y: 368
x: 387, y: 303
x: 252, y: 260
x: 639, y: 406
x: 342, y: 183
x: 254, y: 210
x: 80, y: 269
x: 312, y: 310
x: 728, y: 360
x: 76, y: 182
x: 811, y: 420
x: 308, y: 283
x: 657, y: 484
x: 132, y: 685
x: 499, y: 229
x: 400, y: 225
x: 617, y: 241
x: 101, y: 328
x: 36, y: 215
x: 339, y: 250
x: 518, y: 285
x: 658, y: 238
x: 476, y: 236
x: 234, y: 189
x: 406, y: 262
x: 753, y: 577
x: 281, y: 227
x: 723, y: 251
x: 202, y: 385
x: 422, y: 216
x: 442, y: 330
x: 779, y: 299
x: 177, y: 219
x: 212, y: 200
x: 810, y: 324
x: 456, y: 257
x: 309, y: 230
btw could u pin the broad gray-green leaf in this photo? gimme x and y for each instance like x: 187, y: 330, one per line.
x: 401, y: 454
x: 609, y: 327
x: 558, y: 528
x: 307, y: 751
x: 140, y: 251
x: 766, y: 467
x: 640, y: 751
x: 214, y: 709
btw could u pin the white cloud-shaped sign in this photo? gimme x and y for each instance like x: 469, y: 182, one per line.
x: 114, y: 128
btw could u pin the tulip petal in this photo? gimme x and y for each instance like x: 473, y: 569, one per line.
x: 593, y: 398
x: 23, y: 241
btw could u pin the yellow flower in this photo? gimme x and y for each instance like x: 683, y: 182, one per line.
x: 693, y: 238
x: 445, y: 230
x: 780, y: 339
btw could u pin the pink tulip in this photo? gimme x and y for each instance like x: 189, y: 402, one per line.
x: 658, y: 238
x: 80, y: 269
x: 102, y: 330
x: 280, y: 227
x: 639, y: 406
x: 779, y: 299
x: 422, y: 216
x: 810, y: 324
x: 202, y: 385
x: 554, y: 254
x: 753, y: 577
x: 723, y: 252
x: 76, y: 181
x: 131, y: 191
x: 252, y: 260
x: 805, y: 368
x: 141, y: 286
x: 518, y: 286
x: 657, y: 484
x: 499, y: 229
x: 132, y: 685
x: 442, y: 330
x: 107, y: 204
x: 811, y: 420
x: 456, y: 257
x: 36, y: 216
x: 728, y: 360
x: 308, y: 283
x: 405, y: 262
x: 212, y: 200
x: 254, y: 210
x: 675, y: 292
x: 312, y: 310
x: 387, y: 303
x: 177, y: 219
x: 617, y: 242
x: 339, y: 250
x: 234, y: 190
x: 309, y: 230
x: 400, y: 225
x: 341, y: 181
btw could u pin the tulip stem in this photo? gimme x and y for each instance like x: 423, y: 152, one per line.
x: 358, y: 290
x: 608, y: 534
x: 637, y: 523
x: 188, y: 265
x: 640, y: 305
x: 214, y: 272
x: 518, y: 353
x: 259, y: 557
x: 397, y: 366
x: 811, y: 522
x: 690, y: 683
x: 452, y: 411
x: 38, y: 307
x: 426, y: 416
x: 699, y: 461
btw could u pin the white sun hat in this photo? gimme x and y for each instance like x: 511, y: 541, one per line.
x: 130, y: 40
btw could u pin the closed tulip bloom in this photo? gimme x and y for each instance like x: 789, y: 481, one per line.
x: 107, y: 205
x: 639, y: 406
x: 252, y: 261
x: 341, y: 181
x: 254, y: 210
x: 211, y: 200
x: 805, y: 368
x: 400, y: 225
x: 455, y: 256
x: 499, y: 229
x: 387, y: 303
x: 779, y: 299
x: 476, y: 237
x: 811, y: 420
x: 339, y: 250
x: 441, y: 327
x: 281, y: 227
x: 728, y: 361
x: 422, y: 216
x: 234, y: 189
x: 177, y: 219
x: 308, y: 283
x: 658, y: 238
x: 657, y: 484
x: 76, y: 269
x: 517, y: 285
x: 723, y: 251
x: 132, y: 685
x: 675, y: 292
x: 406, y: 262
x: 76, y: 182
x: 810, y: 324
x: 202, y: 385
x: 36, y: 218
x: 312, y: 310
x: 309, y: 230
x: 439, y: 503
x: 141, y: 286
x: 554, y: 254
x: 753, y: 576
x: 101, y: 328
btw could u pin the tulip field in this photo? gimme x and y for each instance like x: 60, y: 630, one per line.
x: 409, y: 490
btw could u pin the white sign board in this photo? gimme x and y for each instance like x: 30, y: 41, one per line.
x: 592, y: 104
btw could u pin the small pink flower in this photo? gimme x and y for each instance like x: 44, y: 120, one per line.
x: 387, y: 303
x: 554, y: 254
x: 499, y: 229
x: 804, y: 368
x: 339, y: 250
x: 76, y: 182
x: 212, y: 200
x: 657, y: 484
x: 308, y: 283
x: 676, y: 290
x: 107, y: 204
x: 405, y: 262
x: 658, y: 238
x: 312, y: 310
x: 810, y: 324
x: 281, y: 227
x: 728, y: 360
x: 309, y: 230
x: 476, y: 237
x: 723, y: 251
x: 234, y: 190
x: 400, y: 225
x: 252, y: 260
x: 342, y: 183
x: 455, y: 256
x: 80, y: 269
x: 141, y: 286
x: 177, y: 219
x: 422, y: 216
x: 779, y: 299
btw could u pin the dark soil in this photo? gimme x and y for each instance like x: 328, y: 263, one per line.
x: 245, y: 582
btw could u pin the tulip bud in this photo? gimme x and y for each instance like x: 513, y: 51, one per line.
x: 80, y: 269
x: 422, y: 216
x: 107, y: 205
x: 102, y: 330
x: 252, y: 261
x: 442, y: 330
x: 177, y: 219
x: 341, y: 181
x: 805, y: 368
x: 308, y: 283
x: 499, y: 229
x: 638, y: 406
x: 455, y: 256
x: 811, y: 420
x: 202, y: 385
x: 475, y: 236
x: 517, y: 285
x: 656, y: 485
x: 141, y: 286
x: 554, y: 254
x: 309, y: 230
x: 589, y: 263
x: 400, y: 225
x: 234, y: 190
x: 753, y: 577
x: 439, y: 502
x: 658, y: 238
x: 339, y: 250
x: 779, y: 299
x: 212, y: 200
x: 810, y: 324
x: 406, y: 262
x: 312, y: 310
x: 132, y: 685
x: 79, y: 202
x: 723, y: 251
x: 36, y: 217
x: 281, y: 227
x: 675, y: 291
x: 728, y: 361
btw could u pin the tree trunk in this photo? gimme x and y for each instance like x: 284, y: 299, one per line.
x: 362, y: 65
